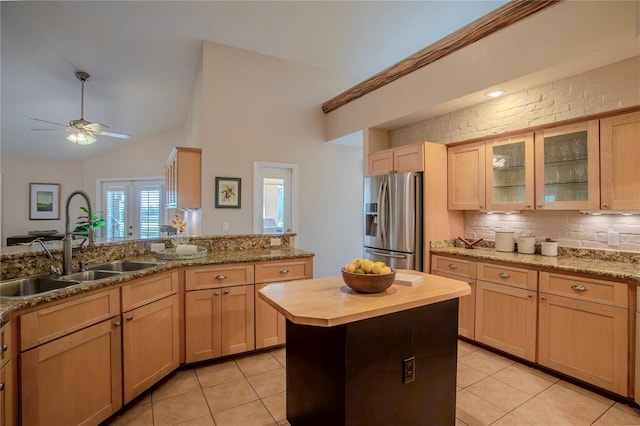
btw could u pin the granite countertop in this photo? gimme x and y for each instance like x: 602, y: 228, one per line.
x: 327, y: 302
x: 622, y: 269
x: 8, y: 306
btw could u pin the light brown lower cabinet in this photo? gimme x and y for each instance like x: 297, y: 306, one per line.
x: 270, y: 324
x: 583, y: 330
x: 219, y: 322
x: 506, y: 318
x: 462, y: 270
x: 73, y: 380
x: 151, y: 344
x: 7, y: 389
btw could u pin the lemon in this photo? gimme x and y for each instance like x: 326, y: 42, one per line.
x: 385, y: 270
x: 366, y: 265
x: 376, y: 268
x: 350, y: 267
x: 356, y: 263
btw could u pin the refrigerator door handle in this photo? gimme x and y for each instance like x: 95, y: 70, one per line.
x: 380, y: 210
x: 383, y: 210
x: 380, y: 253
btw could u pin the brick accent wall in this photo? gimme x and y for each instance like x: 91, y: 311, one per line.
x: 604, y: 89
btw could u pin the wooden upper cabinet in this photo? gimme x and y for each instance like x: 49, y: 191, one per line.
x: 183, y: 178
x: 466, y: 177
x: 619, y: 162
x: 409, y: 158
x: 509, y: 173
x: 568, y: 167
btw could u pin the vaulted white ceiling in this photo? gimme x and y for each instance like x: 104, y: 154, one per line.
x: 143, y: 55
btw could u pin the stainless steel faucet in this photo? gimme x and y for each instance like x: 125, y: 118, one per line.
x: 66, y: 241
x: 52, y: 269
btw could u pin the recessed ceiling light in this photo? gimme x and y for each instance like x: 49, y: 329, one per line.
x: 494, y: 93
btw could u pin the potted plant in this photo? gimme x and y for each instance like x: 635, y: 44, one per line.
x: 82, y: 224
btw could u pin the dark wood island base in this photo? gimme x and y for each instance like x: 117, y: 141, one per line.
x: 353, y: 374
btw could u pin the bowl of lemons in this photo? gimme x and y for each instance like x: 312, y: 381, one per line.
x: 366, y: 276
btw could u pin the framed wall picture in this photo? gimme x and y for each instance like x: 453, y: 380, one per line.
x: 44, y: 201
x: 228, y: 192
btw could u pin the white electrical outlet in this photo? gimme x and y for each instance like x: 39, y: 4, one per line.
x: 613, y: 238
x: 275, y: 242
x: 225, y: 226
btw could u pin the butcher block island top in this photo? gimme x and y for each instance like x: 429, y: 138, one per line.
x: 327, y: 302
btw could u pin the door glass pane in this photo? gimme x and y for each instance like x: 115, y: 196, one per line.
x: 565, y: 167
x: 149, y: 213
x: 273, y: 206
x: 115, y: 214
x: 509, y: 176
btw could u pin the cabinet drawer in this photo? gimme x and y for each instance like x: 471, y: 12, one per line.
x: 607, y: 292
x: 453, y: 266
x: 218, y: 276
x: 516, y: 277
x: 5, y: 343
x: 146, y: 290
x: 50, y: 323
x: 284, y: 270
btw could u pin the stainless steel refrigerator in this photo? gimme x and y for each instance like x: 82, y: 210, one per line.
x: 393, y: 220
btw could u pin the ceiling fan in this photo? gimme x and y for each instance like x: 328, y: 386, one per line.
x: 83, y: 132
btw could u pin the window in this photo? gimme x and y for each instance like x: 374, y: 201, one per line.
x: 275, y: 194
x: 132, y: 209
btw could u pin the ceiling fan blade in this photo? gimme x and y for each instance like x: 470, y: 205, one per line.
x: 115, y: 135
x: 48, y: 129
x: 97, y: 127
x: 50, y: 122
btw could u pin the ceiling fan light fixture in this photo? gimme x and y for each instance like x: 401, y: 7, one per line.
x: 81, y: 138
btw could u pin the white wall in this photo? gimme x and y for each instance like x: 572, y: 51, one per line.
x: 17, y: 173
x: 260, y: 108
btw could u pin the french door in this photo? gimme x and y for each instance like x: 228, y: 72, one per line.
x: 132, y: 209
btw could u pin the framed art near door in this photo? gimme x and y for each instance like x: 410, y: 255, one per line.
x: 228, y: 192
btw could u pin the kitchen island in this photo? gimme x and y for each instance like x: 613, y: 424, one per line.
x: 366, y: 359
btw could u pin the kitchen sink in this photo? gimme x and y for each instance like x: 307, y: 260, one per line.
x: 89, y: 275
x: 29, y: 286
x: 122, y: 266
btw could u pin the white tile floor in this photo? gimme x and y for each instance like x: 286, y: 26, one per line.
x: 250, y: 390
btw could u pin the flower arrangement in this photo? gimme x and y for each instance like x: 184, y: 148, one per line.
x: 179, y: 224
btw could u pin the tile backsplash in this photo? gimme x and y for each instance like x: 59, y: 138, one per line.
x: 569, y: 228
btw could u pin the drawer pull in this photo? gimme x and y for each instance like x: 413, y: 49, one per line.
x: 543, y: 298
x: 217, y: 293
x: 578, y: 287
x: 221, y: 277
x: 226, y: 292
x: 504, y: 275
x: 4, y: 348
x: 453, y: 266
x: 284, y: 271
x: 1, y: 387
x: 529, y: 295
x: 130, y: 318
x: 116, y: 324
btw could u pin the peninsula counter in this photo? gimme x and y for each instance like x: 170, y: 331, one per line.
x: 370, y: 359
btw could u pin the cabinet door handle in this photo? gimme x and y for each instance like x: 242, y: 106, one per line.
x: 216, y: 293
x: 504, y: 275
x: 578, y: 287
x: 1, y: 387
x: 605, y: 205
x: 543, y: 298
x: 226, y: 292
x: 221, y: 277
x: 453, y: 266
x: 130, y: 318
x: 481, y: 206
x: 116, y: 324
x: 4, y: 348
x: 539, y: 204
x: 284, y: 271
x: 529, y: 295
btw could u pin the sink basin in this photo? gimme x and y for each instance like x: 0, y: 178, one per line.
x: 122, y: 266
x: 89, y: 275
x: 29, y: 286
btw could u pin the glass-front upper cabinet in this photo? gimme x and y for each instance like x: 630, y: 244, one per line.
x: 567, y: 167
x: 509, y: 173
